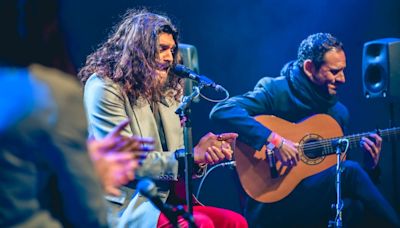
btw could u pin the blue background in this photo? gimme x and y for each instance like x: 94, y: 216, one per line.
x: 238, y: 42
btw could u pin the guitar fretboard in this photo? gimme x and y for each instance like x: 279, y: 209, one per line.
x: 325, y: 146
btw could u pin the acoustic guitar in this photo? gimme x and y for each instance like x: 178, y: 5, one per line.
x: 315, y: 136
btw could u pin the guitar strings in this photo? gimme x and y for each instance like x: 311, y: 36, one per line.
x: 327, y: 143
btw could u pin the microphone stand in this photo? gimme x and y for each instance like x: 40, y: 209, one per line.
x: 184, y: 113
x: 338, y: 222
x: 172, y: 216
x: 186, y: 215
x: 339, y: 202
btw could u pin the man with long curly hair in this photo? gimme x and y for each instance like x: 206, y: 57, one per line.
x: 129, y: 76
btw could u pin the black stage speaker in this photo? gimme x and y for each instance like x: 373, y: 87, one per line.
x: 381, y: 68
x: 189, y: 58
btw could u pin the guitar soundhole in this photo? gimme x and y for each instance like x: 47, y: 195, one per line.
x: 313, y: 152
x: 312, y: 149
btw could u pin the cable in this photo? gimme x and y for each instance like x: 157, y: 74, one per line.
x: 220, y: 88
x: 209, y: 171
x: 345, y: 150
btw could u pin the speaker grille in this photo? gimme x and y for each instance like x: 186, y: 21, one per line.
x: 374, y: 79
x: 381, y: 68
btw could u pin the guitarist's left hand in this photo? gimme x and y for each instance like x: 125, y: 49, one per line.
x: 372, y: 146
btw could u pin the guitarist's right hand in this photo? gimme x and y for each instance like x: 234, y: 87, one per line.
x: 285, y: 151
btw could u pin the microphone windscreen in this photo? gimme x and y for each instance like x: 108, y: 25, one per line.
x: 181, y: 70
x: 147, y: 188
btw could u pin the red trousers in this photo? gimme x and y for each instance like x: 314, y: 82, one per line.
x: 208, y: 217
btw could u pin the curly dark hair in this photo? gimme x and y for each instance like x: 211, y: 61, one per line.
x: 129, y: 56
x: 314, y: 48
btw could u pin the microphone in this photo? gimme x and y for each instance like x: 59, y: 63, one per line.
x: 340, y: 143
x: 148, y: 189
x: 184, y: 72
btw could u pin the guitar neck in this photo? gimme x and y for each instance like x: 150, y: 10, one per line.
x: 390, y: 134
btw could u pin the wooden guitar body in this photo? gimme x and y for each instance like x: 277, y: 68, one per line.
x: 254, y: 171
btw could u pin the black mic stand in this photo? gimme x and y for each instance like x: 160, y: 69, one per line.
x: 171, y: 215
x: 148, y: 189
x: 184, y: 113
x: 186, y: 215
x: 338, y: 222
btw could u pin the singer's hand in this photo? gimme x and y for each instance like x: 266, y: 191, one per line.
x: 214, y: 148
x: 372, y: 149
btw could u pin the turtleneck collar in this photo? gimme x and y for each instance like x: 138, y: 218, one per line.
x: 309, y: 93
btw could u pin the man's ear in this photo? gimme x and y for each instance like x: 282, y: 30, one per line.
x: 308, y: 68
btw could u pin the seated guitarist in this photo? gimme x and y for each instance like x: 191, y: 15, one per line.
x: 307, y: 86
